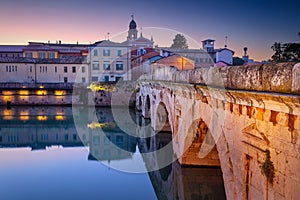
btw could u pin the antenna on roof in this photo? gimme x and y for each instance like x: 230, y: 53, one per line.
x: 226, y: 37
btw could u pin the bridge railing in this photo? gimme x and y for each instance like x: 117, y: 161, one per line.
x: 272, y: 77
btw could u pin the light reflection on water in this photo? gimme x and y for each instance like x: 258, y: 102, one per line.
x: 45, y: 158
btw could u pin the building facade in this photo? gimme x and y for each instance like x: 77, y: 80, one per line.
x: 109, y: 61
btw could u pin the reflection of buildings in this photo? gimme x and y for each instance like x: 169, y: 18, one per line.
x: 38, y: 127
x: 111, y: 145
x: 41, y: 127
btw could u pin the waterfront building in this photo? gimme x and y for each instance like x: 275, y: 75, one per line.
x: 11, y: 51
x: 66, y: 69
x: 109, y: 61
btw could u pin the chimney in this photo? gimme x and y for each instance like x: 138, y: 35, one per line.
x: 59, y: 41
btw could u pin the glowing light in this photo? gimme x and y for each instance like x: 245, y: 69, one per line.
x: 41, y: 92
x: 23, y: 86
x: 6, y: 93
x: 42, y: 117
x: 95, y: 125
x: 24, y: 115
x: 24, y: 92
x: 8, y: 114
x: 59, y: 92
x: 60, y: 117
x: 41, y: 86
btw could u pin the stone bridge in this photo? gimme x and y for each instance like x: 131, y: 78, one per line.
x: 231, y: 117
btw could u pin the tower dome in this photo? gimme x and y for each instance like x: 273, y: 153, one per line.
x: 132, y: 24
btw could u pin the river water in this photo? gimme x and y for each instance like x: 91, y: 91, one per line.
x: 45, y: 155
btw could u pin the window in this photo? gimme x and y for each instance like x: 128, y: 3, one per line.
x: 42, y: 55
x: 9, y: 68
x: 65, y: 79
x: 106, y: 52
x: 94, y: 78
x: 16, y: 55
x: 6, y: 68
x: 66, y: 137
x: 119, y: 53
x: 16, y: 68
x: 30, y: 68
x: 13, y: 68
x: 95, y: 52
x: 119, y: 139
x: 83, y: 79
x: 65, y: 69
x: 74, y: 136
x: 119, y: 65
x: 95, y: 66
x: 40, y: 68
x: 83, y: 69
x: 106, y: 65
x: 74, y: 69
x: 51, y: 55
x: 55, y: 69
x: 29, y: 55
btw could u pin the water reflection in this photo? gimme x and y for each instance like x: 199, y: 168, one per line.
x: 42, y: 127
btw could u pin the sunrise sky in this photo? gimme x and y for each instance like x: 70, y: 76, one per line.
x: 256, y: 24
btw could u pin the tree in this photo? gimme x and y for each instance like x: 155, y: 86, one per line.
x: 277, y: 56
x: 237, y: 61
x: 179, y: 42
x: 286, y: 52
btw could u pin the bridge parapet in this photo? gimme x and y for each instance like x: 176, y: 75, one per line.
x: 273, y: 77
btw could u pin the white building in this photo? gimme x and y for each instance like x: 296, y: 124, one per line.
x: 61, y: 70
x: 109, y: 61
x: 224, y: 55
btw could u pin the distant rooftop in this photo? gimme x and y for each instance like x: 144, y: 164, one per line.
x: 62, y: 60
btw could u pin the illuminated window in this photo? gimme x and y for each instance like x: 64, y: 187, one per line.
x: 42, y: 55
x: 59, y: 92
x: 51, y: 55
x: 42, y: 117
x: 59, y: 117
x: 29, y: 55
x: 41, y: 92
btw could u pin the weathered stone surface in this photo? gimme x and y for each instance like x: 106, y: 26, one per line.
x: 272, y: 77
x: 296, y: 79
x: 243, y: 124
